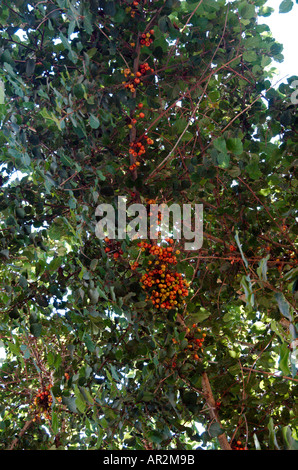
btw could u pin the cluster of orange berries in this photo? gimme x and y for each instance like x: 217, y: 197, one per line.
x: 144, y: 68
x: 146, y: 39
x: 141, y: 115
x: 153, y: 201
x: 43, y: 402
x: 165, y: 289
x: 169, y: 289
x: 127, y: 72
x: 135, y: 79
x: 113, y: 248
x: 238, y: 446
x: 133, y: 166
x: 134, y: 265
x: 164, y: 254
x: 133, y: 10
x: 137, y: 148
x: 195, y: 341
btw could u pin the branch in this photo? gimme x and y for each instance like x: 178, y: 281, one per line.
x: 21, y: 433
x: 274, y: 374
x: 209, y: 398
x: 222, y: 439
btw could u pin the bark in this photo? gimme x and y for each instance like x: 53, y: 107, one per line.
x: 208, y: 395
x: 209, y: 398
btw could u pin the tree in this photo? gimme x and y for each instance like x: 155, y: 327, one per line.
x: 129, y: 344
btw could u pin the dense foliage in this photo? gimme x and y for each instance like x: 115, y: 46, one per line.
x: 117, y: 344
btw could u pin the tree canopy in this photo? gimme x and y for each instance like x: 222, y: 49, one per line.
x: 143, y: 344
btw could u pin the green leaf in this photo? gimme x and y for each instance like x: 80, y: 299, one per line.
x: 283, y: 363
x: 220, y: 145
x: 235, y: 146
x: 87, y: 395
x: 256, y: 441
x: 2, y: 92
x: 101, y: 175
x: 93, y: 296
x: 23, y: 282
x: 198, y: 316
x: 272, y: 436
x: 283, y: 306
x: 5, y: 253
x: 189, y: 271
x: 186, y: 137
x: 215, y: 430
x: 223, y: 160
x: 155, y: 437
x: 65, y: 42
x: 109, y: 8
x: 240, y: 248
x: 26, y: 351
x: 30, y: 67
x: 247, y: 11
x: 286, y: 6
x: 93, y: 264
x: 253, y: 168
x: 265, y: 11
x: 164, y: 24
x: 70, y: 402
x: 89, y: 343
x: 250, y: 56
x: 94, y: 121
x: 234, y: 171
x: 35, y: 329
x: 247, y: 286
x: 66, y: 160
x: 262, y: 269
x: 291, y: 443
x: 55, y: 422
x: 88, y: 22
x: 147, y: 396
x: 180, y: 125
x: 79, y: 401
